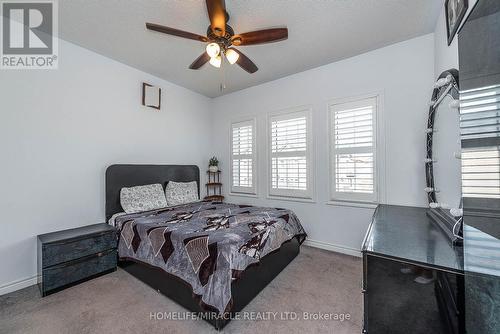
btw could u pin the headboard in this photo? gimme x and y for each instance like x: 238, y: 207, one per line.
x: 119, y: 176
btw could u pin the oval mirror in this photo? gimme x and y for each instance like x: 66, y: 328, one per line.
x: 443, y: 165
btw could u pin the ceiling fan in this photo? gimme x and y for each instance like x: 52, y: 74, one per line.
x: 221, y: 39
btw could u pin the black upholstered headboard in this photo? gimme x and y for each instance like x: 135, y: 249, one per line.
x: 119, y: 176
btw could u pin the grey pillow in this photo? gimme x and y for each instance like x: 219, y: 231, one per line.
x: 142, y: 198
x: 181, y: 192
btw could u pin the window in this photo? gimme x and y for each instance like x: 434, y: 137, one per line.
x: 290, y: 149
x: 243, y: 161
x: 481, y: 172
x: 480, y: 115
x: 480, y: 134
x: 353, y: 151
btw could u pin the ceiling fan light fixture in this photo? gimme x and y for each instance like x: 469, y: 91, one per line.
x: 213, y: 50
x: 232, y: 56
x: 216, y: 61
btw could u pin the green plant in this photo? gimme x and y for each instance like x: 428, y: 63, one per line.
x: 213, y: 161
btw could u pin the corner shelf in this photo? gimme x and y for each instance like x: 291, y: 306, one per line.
x: 214, y: 187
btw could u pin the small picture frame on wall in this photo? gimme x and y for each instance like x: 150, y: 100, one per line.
x: 455, y: 11
x: 151, y: 96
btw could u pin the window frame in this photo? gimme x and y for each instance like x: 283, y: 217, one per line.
x: 238, y: 190
x: 357, y: 199
x: 290, y: 194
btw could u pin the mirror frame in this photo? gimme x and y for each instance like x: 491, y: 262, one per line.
x: 446, y: 85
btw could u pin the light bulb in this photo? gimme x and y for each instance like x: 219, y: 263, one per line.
x: 213, y: 50
x: 457, y: 212
x: 441, y: 82
x: 232, y: 56
x: 216, y: 61
x: 455, y: 104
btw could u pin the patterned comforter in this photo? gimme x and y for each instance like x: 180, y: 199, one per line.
x: 206, y: 244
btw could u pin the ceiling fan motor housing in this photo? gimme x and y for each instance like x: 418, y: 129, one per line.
x: 223, y: 41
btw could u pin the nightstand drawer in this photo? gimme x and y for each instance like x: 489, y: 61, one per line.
x: 67, y: 273
x: 68, y: 250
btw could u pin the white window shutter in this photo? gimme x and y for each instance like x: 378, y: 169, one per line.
x: 353, y: 151
x: 480, y: 123
x: 481, y: 172
x: 289, y: 154
x: 243, y: 157
x: 480, y: 113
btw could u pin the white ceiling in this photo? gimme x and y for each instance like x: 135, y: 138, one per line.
x: 320, y: 32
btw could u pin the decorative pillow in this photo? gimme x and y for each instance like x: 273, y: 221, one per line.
x: 181, y: 192
x: 142, y: 198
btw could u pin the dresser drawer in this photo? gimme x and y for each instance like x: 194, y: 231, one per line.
x: 70, y: 272
x: 68, y: 250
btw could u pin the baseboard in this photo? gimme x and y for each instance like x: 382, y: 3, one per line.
x: 334, y: 248
x: 17, y: 285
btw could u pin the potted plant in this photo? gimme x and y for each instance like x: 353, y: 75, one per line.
x: 213, y: 165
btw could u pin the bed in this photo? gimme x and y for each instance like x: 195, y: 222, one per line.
x: 212, y: 258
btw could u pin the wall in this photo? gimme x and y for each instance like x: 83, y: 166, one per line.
x: 403, y: 73
x: 59, y: 131
x: 446, y: 57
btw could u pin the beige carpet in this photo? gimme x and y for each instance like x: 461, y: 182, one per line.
x: 316, y: 281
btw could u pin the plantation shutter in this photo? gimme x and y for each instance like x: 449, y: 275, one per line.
x: 480, y: 133
x: 289, y: 155
x: 481, y: 172
x: 353, y: 144
x: 243, y: 157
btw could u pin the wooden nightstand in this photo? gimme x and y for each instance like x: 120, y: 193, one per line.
x: 68, y: 257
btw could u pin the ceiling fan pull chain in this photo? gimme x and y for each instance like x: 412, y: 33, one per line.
x: 222, y: 86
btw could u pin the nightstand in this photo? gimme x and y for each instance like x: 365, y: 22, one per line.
x: 69, y: 257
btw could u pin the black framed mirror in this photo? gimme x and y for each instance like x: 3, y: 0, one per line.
x: 442, y: 164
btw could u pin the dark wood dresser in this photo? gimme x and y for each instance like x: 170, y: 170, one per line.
x: 68, y: 257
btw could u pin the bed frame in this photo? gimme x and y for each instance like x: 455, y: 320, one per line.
x: 253, y: 280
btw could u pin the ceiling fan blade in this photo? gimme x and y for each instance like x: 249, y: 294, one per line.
x: 245, y: 63
x: 217, y: 15
x: 200, y: 61
x: 175, y: 32
x: 261, y: 36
